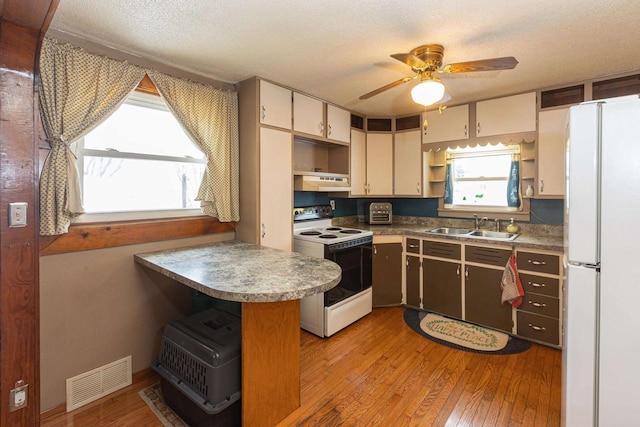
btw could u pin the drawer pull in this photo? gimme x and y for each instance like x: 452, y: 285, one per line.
x: 537, y: 304
x: 413, y: 246
x: 537, y: 285
x: 537, y: 262
x: 537, y: 328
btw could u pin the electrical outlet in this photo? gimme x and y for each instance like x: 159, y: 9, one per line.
x: 18, y: 214
x: 19, y: 396
x: 332, y: 203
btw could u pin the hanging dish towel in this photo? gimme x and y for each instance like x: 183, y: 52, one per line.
x: 510, y: 284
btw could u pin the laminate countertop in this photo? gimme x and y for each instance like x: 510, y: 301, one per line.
x: 530, y: 241
x: 240, y: 271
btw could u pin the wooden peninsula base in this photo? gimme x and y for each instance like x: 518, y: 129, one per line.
x: 270, y: 361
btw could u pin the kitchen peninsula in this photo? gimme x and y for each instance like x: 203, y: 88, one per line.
x: 268, y: 282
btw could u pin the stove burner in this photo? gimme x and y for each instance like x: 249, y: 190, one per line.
x: 328, y: 236
x: 351, y: 231
x: 333, y: 229
x: 310, y: 233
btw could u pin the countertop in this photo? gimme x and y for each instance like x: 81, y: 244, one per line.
x: 240, y: 271
x: 544, y: 242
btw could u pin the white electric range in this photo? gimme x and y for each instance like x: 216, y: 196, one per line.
x: 326, y: 313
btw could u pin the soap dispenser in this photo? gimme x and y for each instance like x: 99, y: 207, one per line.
x: 512, y: 227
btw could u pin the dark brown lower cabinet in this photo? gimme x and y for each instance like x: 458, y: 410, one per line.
x: 412, y: 276
x: 483, y: 296
x: 387, y: 274
x: 442, y: 287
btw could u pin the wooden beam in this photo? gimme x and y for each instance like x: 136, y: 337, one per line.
x: 84, y: 237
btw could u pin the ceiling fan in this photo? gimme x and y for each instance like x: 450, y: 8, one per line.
x: 426, y: 60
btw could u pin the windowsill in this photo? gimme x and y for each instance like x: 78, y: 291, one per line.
x: 108, y: 234
x: 101, y: 217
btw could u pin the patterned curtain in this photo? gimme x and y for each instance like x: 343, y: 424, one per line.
x: 448, y: 185
x: 513, y: 184
x: 210, y: 118
x: 78, y: 91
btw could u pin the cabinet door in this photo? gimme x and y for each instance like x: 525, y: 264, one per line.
x: 338, y: 124
x: 451, y: 125
x: 358, y: 163
x: 276, y: 206
x: 307, y: 115
x: 552, y: 131
x: 387, y: 274
x: 412, y: 276
x: 483, y: 298
x: 408, y: 164
x: 275, y: 105
x: 379, y: 164
x: 442, y: 287
x: 510, y: 114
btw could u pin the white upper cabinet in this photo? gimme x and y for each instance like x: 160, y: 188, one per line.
x: 275, y: 105
x: 358, y: 163
x: 552, y: 137
x: 451, y: 125
x: 408, y: 164
x: 339, y: 124
x: 308, y: 115
x: 379, y: 164
x: 510, y: 114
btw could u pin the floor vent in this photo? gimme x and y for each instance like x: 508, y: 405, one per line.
x: 93, y: 385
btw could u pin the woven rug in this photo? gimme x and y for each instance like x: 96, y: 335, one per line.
x: 461, y: 335
x: 152, y: 396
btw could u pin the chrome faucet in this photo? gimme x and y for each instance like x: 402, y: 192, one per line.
x: 479, y: 221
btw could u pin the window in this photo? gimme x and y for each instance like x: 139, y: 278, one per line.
x: 140, y: 159
x: 483, y: 177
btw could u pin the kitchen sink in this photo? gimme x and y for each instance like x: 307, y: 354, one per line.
x: 446, y: 230
x: 480, y: 234
x: 495, y: 235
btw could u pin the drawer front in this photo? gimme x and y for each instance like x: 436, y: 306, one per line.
x: 441, y: 249
x: 542, y: 263
x: 413, y: 246
x: 539, y: 328
x: 541, y: 304
x: 489, y: 256
x: 540, y: 285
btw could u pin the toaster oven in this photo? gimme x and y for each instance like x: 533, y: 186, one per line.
x: 378, y: 213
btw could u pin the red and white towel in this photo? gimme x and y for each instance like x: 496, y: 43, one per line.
x: 510, y: 284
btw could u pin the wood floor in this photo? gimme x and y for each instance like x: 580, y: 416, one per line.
x: 380, y: 372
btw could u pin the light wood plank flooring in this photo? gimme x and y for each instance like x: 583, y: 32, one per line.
x: 380, y: 372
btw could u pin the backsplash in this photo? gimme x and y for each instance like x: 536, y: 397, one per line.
x: 549, y: 212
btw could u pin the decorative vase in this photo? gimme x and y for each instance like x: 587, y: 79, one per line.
x: 529, y: 191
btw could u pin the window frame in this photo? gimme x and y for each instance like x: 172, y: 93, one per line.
x: 147, y: 99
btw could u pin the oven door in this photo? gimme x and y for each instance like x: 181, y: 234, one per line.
x: 355, y: 262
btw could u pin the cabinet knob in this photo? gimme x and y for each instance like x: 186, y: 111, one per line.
x: 263, y: 112
x: 537, y: 328
x: 537, y: 285
x: 465, y: 130
x: 375, y: 250
x: 458, y: 271
x: 329, y: 130
x: 536, y: 262
x: 264, y: 231
x: 418, y: 188
x: 542, y: 185
x: 466, y: 272
x: 321, y: 128
x: 537, y: 304
x: 478, y: 129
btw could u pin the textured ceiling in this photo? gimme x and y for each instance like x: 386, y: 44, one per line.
x: 338, y: 50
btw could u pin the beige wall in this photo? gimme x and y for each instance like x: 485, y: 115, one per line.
x: 99, y: 306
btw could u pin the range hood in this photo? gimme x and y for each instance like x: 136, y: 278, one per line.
x: 320, y: 183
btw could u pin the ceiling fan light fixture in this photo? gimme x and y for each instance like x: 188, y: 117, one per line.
x: 428, y: 92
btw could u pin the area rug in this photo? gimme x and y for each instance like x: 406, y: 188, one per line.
x: 152, y: 396
x: 461, y: 335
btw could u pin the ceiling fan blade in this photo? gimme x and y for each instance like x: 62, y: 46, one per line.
x: 505, y: 63
x: 389, y: 86
x: 409, y: 59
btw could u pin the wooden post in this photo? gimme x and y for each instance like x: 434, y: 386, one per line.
x: 22, y: 25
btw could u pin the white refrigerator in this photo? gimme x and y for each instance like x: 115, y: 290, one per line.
x: 601, y: 319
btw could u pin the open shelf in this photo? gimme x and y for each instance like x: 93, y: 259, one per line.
x: 325, y: 174
x: 320, y: 158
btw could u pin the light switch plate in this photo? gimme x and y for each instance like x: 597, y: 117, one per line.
x: 18, y: 214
